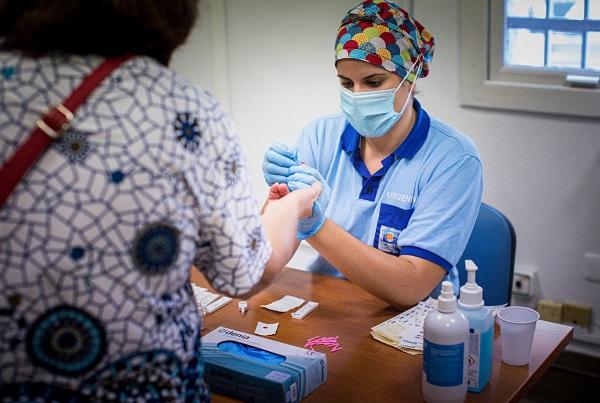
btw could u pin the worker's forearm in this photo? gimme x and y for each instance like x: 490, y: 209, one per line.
x: 393, y: 279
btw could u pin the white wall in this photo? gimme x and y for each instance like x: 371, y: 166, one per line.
x: 194, y: 58
x: 281, y: 64
x: 542, y: 171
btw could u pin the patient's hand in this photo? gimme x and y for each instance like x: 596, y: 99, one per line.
x: 304, y: 198
x: 276, y: 191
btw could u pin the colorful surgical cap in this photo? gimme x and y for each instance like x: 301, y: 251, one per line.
x: 383, y: 34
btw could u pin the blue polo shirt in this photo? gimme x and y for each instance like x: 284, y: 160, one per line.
x: 422, y: 202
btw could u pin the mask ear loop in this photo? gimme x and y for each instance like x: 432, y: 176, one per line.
x: 408, y: 73
x: 411, y: 89
x: 416, y: 76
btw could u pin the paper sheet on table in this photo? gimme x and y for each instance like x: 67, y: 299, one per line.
x: 393, y: 344
x: 284, y: 304
x: 405, y: 331
x: 266, y: 329
x: 203, y: 297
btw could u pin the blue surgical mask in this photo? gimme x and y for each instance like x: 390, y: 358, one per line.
x: 372, y: 113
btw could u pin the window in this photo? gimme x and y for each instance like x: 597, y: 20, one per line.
x: 533, y: 55
x: 553, y: 35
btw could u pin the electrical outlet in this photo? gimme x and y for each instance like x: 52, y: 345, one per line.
x: 577, y: 314
x: 592, y: 267
x: 522, y: 284
x: 550, y: 310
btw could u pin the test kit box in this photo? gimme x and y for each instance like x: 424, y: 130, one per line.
x: 253, y: 368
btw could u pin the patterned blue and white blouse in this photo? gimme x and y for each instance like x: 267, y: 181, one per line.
x: 97, y: 241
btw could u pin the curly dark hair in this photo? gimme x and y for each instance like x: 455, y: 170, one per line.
x: 153, y: 28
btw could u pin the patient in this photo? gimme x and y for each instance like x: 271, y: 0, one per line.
x: 97, y: 240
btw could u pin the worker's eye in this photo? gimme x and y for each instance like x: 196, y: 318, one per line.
x: 373, y: 83
x: 347, y: 84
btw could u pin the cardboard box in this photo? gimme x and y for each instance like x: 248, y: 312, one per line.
x: 287, y: 373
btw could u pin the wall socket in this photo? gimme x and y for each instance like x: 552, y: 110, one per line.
x: 523, y: 282
x: 577, y: 314
x: 551, y: 311
x: 592, y: 267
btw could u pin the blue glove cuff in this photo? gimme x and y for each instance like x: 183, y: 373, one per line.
x: 307, y: 234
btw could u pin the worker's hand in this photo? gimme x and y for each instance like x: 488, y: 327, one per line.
x: 306, y: 198
x: 301, y: 177
x: 277, y: 162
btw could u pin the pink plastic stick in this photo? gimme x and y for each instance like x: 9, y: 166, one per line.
x: 329, y: 342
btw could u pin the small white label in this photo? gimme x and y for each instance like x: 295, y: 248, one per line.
x: 294, y: 391
x: 474, y: 358
x: 277, y: 376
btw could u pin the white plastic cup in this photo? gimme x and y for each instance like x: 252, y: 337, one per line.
x: 517, y: 327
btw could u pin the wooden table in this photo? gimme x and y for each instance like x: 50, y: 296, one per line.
x: 365, y: 369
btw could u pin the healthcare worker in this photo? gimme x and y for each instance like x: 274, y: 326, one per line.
x: 401, y: 189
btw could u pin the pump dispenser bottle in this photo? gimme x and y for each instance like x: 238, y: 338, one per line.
x: 445, y: 351
x: 481, y: 331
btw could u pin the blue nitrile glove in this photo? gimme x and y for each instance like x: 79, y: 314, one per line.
x: 303, y: 176
x: 277, y: 162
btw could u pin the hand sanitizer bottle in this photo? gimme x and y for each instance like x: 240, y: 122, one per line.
x: 445, y: 351
x: 481, y: 331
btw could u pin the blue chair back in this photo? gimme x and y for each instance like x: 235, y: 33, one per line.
x: 492, y: 248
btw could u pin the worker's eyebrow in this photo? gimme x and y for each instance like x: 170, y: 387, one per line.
x: 364, y: 78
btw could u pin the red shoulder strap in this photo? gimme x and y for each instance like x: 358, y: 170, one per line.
x: 50, y: 127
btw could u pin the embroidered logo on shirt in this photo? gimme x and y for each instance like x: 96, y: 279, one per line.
x: 388, y: 240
